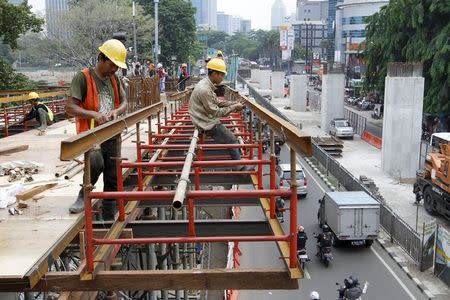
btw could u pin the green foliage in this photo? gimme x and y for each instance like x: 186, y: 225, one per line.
x: 176, y: 29
x: 16, y: 20
x: 11, y: 80
x: 299, y: 52
x: 412, y: 31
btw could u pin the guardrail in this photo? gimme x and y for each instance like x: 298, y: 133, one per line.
x: 398, y: 230
x: 357, y: 121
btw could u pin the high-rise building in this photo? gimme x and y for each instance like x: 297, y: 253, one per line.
x: 54, y: 18
x: 311, y: 36
x: 15, y: 2
x: 246, y: 25
x: 206, y: 13
x: 278, y: 14
x: 235, y: 24
x: 331, y: 27
x: 224, y: 22
x: 312, y: 10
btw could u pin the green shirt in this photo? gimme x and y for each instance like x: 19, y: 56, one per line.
x: 105, y: 91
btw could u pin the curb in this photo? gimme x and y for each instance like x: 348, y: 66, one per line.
x: 322, y: 176
x: 405, y: 269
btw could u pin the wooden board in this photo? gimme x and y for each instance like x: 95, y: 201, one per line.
x: 13, y: 149
x: 27, y: 194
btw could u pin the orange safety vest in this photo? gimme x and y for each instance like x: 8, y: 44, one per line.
x: 91, y: 100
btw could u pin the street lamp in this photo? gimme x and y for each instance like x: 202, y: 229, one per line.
x: 156, y: 31
x: 134, y: 33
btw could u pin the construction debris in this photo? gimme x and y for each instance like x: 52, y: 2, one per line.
x: 370, y: 184
x: 22, y: 205
x: 9, y: 150
x: 8, y: 194
x: 17, y: 170
x: 332, y: 145
x: 37, y: 197
x: 27, y: 194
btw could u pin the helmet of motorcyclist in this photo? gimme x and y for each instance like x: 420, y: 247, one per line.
x: 301, y: 228
x: 354, y: 279
x: 314, y: 295
x: 348, y: 282
x: 325, y: 228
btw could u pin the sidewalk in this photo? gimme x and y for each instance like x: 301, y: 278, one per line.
x: 360, y: 158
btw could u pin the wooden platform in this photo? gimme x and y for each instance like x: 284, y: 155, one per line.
x: 29, y: 242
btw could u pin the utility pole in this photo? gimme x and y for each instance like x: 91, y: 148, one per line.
x: 156, y: 31
x: 134, y: 33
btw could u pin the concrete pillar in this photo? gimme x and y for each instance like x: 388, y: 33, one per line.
x: 298, y: 92
x: 402, y: 127
x: 264, y: 81
x: 332, y: 99
x: 254, y: 73
x: 277, y: 84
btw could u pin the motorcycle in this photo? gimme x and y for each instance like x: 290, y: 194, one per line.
x: 353, y: 293
x: 325, y: 255
x: 302, y: 258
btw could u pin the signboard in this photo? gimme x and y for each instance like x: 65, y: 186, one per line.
x: 211, y: 52
x: 442, y: 258
x: 286, y: 55
x: 316, y: 55
x: 287, y: 37
x: 428, y: 241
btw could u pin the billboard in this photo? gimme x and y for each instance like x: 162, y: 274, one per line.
x: 442, y: 257
x: 287, y: 37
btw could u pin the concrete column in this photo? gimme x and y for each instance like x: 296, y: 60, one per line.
x: 298, y: 92
x: 254, y: 74
x: 402, y: 127
x: 264, y: 81
x: 332, y: 99
x: 277, y: 84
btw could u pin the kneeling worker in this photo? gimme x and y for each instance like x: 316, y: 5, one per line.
x: 205, y: 110
x: 39, y: 111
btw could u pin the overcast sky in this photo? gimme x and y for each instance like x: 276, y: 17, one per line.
x: 258, y: 11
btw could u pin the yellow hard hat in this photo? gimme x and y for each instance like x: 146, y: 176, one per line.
x: 219, y: 53
x: 217, y: 64
x: 115, y: 51
x: 33, y: 95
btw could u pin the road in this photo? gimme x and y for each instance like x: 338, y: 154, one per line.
x: 386, y: 279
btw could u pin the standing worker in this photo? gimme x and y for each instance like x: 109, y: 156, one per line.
x: 220, y: 54
x: 151, y: 70
x: 39, y: 111
x: 96, y: 97
x: 184, y: 75
x: 205, y: 110
x: 162, y: 78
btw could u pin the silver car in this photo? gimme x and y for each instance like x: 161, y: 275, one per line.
x: 341, y: 128
x: 284, y: 178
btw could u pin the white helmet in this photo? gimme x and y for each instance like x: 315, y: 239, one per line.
x: 314, y: 295
x: 159, y: 65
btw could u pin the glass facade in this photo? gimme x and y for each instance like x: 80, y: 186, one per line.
x: 354, y: 33
x: 353, y: 20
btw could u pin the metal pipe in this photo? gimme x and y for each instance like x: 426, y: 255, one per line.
x: 208, y: 173
x: 260, y: 156
x: 87, y: 187
x: 180, y: 192
x: 204, y: 146
x: 73, y: 172
x: 293, y: 212
x: 209, y: 163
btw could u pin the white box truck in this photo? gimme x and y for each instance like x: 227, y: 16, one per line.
x: 351, y: 216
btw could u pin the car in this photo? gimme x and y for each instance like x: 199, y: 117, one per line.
x: 284, y: 176
x: 341, y: 127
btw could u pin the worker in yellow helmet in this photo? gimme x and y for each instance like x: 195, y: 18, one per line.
x: 96, y: 96
x: 39, y: 111
x: 205, y: 110
x: 220, y: 54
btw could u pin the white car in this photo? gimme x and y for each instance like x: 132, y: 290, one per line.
x: 284, y: 178
x: 340, y: 127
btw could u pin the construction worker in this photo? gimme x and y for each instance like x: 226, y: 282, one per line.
x: 96, y: 97
x: 205, y: 110
x: 151, y: 70
x: 162, y: 77
x: 220, y: 54
x: 39, y: 111
x: 184, y: 75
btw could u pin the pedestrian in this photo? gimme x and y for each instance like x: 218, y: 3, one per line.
x: 162, y: 78
x: 137, y: 69
x: 96, y: 97
x: 39, y: 111
x: 151, y: 70
x: 205, y: 110
x: 184, y: 75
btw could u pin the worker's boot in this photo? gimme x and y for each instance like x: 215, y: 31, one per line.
x: 246, y: 168
x: 78, y: 205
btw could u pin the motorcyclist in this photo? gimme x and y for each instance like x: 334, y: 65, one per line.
x: 301, y: 238
x: 323, y: 239
x: 314, y: 295
x: 352, y: 291
x: 277, y: 151
x: 279, y: 205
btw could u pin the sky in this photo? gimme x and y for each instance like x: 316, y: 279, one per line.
x: 258, y: 11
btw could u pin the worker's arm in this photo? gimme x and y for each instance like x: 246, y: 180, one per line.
x: 29, y: 116
x: 74, y: 109
x: 209, y: 102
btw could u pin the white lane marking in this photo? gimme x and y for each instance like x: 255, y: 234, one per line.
x: 393, y: 274
x: 306, y: 273
x: 376, y: 253
x: 311, y: 176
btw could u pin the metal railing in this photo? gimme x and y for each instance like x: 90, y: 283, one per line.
x: 357, y: 121
x: 398, y: 230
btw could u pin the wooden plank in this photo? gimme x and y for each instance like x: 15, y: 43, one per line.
x: 13, y: 149
x: 146, y: 280
x: 25, y: 195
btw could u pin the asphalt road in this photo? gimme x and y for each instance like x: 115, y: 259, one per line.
x: 386, y: 280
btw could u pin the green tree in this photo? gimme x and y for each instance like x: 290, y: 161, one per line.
x: 412, y: 31
x: 176, y: 29
x: 299, y: 52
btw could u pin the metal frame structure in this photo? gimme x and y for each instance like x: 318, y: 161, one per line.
x: 178, y: 155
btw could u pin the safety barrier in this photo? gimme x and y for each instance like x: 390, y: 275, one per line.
x: 399, y: 230
x: 372, y: 139
x: 357, y: 121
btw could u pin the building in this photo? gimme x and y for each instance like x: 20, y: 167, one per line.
x: 332, y: 4
x: 206, y: 13
x: 312, y: 36
x: 278, y: 14
x: 235, y: 24
x: 246, y: 25
x: 15, y: 2
x: 224, y: 22
x: 54, y: 18
x: 350, y: 30
x: 312, y: 10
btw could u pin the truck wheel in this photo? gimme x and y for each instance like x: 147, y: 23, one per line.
x: 369, y: 243
x: 429, y: 201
